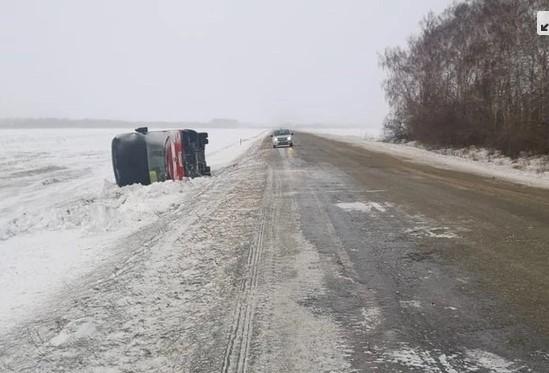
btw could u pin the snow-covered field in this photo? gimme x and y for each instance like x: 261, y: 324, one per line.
x: 61, y: 213
x: 531, y: 171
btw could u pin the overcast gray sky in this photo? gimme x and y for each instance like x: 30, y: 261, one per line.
x: 252, y: 60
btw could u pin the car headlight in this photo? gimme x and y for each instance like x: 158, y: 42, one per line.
x: 289, y: 138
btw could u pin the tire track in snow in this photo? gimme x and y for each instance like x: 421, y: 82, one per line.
x: 237, y: 350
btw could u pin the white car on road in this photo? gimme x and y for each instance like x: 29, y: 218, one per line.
x: 282, y: 137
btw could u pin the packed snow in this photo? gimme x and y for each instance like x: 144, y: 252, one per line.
x: 436, y: 362
x: 61, y: 212
x: 527, y: 170
x: 361, y: 206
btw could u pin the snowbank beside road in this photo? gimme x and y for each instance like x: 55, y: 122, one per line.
x: 61, y: 213
x: 226, y: 145
x: 530, y: 171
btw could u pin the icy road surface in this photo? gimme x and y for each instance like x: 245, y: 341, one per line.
x: 321, y: 258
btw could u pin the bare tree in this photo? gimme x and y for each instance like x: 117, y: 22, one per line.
x: 476, y: 75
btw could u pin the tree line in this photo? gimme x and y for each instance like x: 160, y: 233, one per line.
x: 477, y: 74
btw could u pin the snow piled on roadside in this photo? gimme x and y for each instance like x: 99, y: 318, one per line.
x: 45, y: 246
x: 226, y: 145
x: 534, y: 164
x: 61, y: 213
x: 527, y: 170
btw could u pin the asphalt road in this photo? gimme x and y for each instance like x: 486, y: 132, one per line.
x: 423, y: 269
x: 324, y: 257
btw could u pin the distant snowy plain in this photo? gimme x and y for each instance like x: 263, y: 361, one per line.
x: 61, y: 212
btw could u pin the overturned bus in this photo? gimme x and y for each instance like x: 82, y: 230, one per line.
x: 144, y: 157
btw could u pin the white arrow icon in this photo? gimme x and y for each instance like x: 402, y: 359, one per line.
x: 543, y: 23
